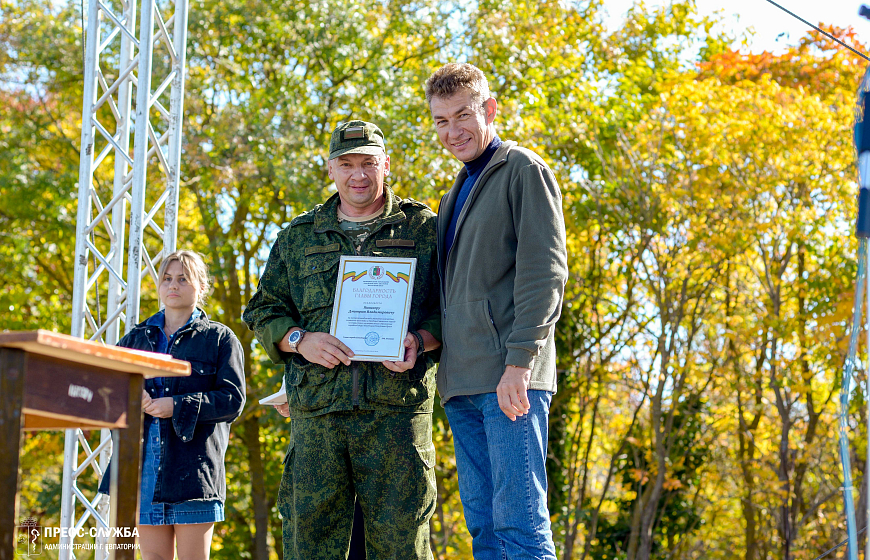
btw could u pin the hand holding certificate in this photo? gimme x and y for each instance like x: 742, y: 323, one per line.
x: 372, y: 305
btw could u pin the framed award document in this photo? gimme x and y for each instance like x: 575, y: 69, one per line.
x: 372, y: 304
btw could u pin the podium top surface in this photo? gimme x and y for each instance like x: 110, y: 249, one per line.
x: 65, y: 347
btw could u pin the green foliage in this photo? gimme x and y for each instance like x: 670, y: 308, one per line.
x: 38, y: 170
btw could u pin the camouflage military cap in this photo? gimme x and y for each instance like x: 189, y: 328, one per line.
x: 356, y: 137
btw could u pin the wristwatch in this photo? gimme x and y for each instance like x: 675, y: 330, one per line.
x: 420, y: 348
x: 295, y: 338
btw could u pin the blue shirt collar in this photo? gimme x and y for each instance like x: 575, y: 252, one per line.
x: 476, y: 165
x: 159, y: 318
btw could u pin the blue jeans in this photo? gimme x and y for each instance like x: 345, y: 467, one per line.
x: 502, y: 480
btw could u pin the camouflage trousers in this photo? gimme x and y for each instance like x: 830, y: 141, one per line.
x: 384, y: 458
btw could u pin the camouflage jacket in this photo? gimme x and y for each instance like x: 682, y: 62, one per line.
x: 297, y: 289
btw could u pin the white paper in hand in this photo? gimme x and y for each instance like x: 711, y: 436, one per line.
x: 278, y: 398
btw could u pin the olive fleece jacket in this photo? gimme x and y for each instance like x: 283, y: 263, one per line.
x: 503, y: 281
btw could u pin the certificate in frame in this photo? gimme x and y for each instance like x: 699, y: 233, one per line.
x: 372, y: 306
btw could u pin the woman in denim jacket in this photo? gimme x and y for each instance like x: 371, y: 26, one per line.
x: 186, y: 421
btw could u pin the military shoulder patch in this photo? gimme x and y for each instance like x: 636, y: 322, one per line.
x: 415, y: 209
x: 412, y: 202
x: 305, y: 217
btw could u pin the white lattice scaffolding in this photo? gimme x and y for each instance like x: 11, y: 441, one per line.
x: 120, y: 107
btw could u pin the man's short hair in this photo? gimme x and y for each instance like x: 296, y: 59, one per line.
x: 455, y: 77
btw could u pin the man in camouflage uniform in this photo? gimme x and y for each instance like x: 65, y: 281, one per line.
x: 357, y: 427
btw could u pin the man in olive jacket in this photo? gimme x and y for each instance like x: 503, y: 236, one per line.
x: 503, y: 267
x: 361, y: 428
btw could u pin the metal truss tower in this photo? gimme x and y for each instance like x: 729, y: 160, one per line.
x: 118, y: 208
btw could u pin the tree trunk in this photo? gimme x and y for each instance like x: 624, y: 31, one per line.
x: 633, y: 551
x: 746, y: 457
x: 573, y: 531
x: 259, y: 545
x: 746, y: 437
x: 593, y: 524
x: 649, y: 511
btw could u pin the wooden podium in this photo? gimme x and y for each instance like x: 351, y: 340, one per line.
x: 51, y: 381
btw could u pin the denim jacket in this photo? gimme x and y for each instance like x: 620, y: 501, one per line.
x: 194, y: 441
